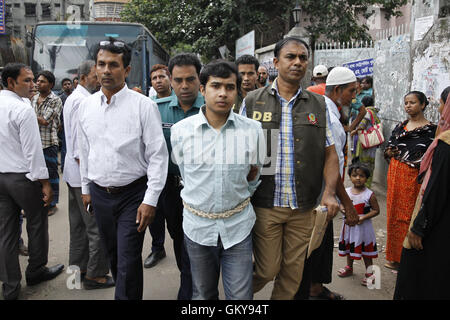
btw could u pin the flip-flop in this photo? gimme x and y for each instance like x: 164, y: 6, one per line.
x: 347, y: 271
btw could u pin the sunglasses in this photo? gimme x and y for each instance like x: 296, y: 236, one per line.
x: 118, y: 44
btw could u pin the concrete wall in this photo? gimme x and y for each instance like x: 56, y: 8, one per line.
x: 337, y: 57
x: 391, y: 83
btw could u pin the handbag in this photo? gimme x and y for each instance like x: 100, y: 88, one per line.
x: 372, y: 137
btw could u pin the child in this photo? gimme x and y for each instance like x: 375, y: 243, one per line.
x: 359, y: 240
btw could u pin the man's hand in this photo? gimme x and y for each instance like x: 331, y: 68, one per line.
x: 47, y: 192
x: 414, y: 240
x: 351, y: 216
x: 332, y: 205
x: 86, y: 200
x: 252, y: 173
x: 145, y: 216
x: 42, y: 121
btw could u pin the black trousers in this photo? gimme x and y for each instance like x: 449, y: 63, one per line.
x: 319, y: 265
x: 18, y: 192
x: 116, y: 220
x: 170, y: 206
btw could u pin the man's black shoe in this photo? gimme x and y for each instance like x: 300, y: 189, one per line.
x: 89, y: 284
x: 46, y: 274
x: 154, y: 257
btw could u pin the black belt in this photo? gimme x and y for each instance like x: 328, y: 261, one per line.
x: 114, y: 190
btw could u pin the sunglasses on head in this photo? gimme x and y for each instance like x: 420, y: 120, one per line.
x: 118, y: 44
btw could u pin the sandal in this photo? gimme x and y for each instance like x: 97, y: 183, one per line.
x: 345, y: 272
x: 326, y: 294
x: 367, y: 276
x: 392, y: 265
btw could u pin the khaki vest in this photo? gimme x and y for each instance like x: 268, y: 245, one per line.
x: 308, y: 126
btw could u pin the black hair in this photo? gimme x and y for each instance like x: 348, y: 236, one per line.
x: 369, y: 80
x: 12, y: 70
x: 280, y: 44
x: 185, y: 59
x: 64, y: 80
x: 359, y: 80
x: 248, y: 59
x: 421, y: 96
x: 220, y: 69
x: 125, y: 50
x: 367, y: 101
x: 445, y: 93
x: 47, y: 75
x: 360, y: 166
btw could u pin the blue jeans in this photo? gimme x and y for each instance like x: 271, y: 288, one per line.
x: 237, y: 270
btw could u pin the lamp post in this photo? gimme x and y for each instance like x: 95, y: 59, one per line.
x: 300, y: 32
x: 296, y: 13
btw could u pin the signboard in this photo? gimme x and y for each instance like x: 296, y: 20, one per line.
x: 246, y: 44
x: 2, y: 17
x: 361, y: 68
x: 422, y: 26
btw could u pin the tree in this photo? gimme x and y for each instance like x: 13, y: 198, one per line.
x: 205, y: 25
x: 338, y: 20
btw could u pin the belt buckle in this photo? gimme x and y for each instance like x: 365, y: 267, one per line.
x: 110, y: 190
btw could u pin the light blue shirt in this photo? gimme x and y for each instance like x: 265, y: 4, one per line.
x: 214, y: 165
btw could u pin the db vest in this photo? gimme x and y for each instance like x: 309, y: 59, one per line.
x: 308, y: 128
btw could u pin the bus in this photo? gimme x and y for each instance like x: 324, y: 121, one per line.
x: 60, y: 47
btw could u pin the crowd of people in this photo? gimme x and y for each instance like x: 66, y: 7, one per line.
x: 242, y: 169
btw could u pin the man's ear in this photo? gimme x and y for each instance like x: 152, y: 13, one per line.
x: 11, y: 83
x: 202, y: 89
x: 127, y: 71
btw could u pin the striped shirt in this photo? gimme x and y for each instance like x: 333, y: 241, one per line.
x: 285, y: 194
x: 50, y: 109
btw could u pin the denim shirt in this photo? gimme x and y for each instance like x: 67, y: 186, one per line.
x: 171, y: 113
x: 214, y: 165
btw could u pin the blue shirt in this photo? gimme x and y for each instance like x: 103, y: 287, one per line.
x: 214, y: 165
x: 171, y: 113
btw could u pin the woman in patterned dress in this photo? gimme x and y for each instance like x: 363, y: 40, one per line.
x: 406, y: 147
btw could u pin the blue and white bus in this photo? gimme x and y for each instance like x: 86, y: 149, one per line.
x: 60, y: 47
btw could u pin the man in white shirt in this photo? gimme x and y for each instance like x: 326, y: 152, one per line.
x: 123, y: 164
x: 86, y: 250
x: 340, y: 89
x: 23, y: 184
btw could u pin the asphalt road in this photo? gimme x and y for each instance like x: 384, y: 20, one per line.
x: 161, y: 282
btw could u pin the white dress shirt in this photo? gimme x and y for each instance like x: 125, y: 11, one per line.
x: 122, y: 141
x: 338, y: 132
x: 20, y: 138
x: 70, y: 112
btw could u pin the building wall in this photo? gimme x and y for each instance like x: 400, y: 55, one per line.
x: 19, y: 21
x: 108, y: 10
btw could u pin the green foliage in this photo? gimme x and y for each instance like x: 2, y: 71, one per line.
x: 204, y: 25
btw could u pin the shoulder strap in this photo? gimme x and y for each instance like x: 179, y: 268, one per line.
x: 372, y: 119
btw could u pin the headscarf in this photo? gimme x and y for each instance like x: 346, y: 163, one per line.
x: 443, y: 126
